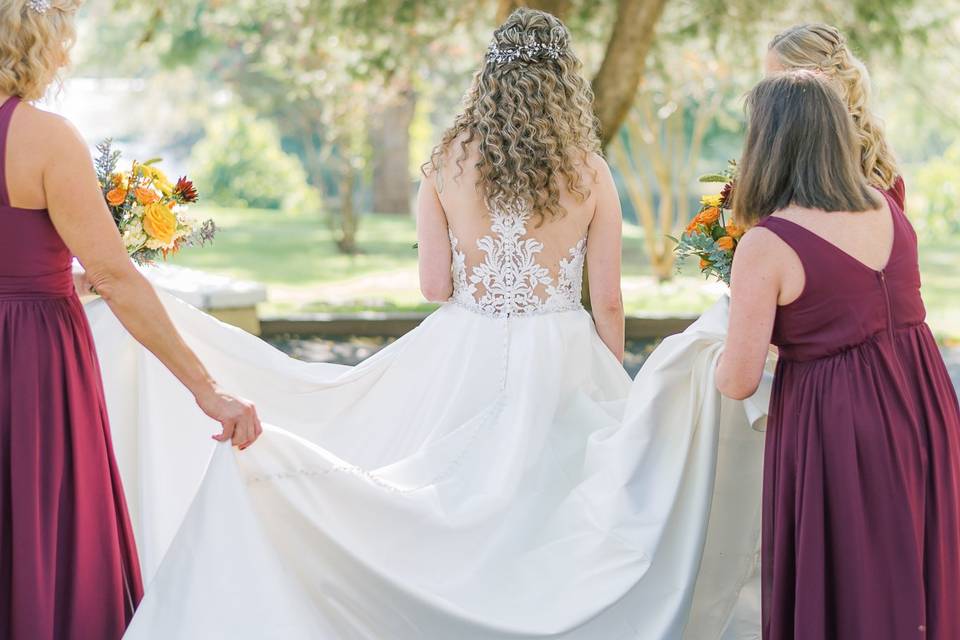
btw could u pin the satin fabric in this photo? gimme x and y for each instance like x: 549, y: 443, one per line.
x: 479, y: 478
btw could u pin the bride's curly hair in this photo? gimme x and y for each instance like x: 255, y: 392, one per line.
x: 34, y: 46
x: 822, y: 48
x: 531, y: 115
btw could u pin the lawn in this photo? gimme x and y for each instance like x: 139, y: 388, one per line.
x: 296, y: 258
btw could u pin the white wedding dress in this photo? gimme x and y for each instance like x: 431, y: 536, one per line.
x: 494, y: 474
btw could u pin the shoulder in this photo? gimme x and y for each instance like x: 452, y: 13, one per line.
x: 596, y: 163
x: 51, y: 134
x: 760, y: 247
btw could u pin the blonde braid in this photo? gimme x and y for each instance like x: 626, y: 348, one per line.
x: 822, y: 48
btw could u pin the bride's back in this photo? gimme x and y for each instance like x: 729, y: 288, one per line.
x: 516, y: 174
x: 511, y: 259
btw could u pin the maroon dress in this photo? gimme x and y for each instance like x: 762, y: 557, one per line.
x: 861, y: 504
x: 68, y: 565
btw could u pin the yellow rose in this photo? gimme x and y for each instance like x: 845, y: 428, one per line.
x: 726, y: 243
x: 146, y: 196
x: 159, y: 222
x: 116, y: 197
x: 712, y: 201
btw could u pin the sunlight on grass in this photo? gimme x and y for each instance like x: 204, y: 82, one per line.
x: 296, y: 257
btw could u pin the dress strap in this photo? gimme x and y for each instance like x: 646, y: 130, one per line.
x: 804, y: 242
x: 6, y: 115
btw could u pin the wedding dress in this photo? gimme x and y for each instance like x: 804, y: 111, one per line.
x: 494, y: 474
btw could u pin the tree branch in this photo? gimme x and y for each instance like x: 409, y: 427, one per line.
x: 625, y: 62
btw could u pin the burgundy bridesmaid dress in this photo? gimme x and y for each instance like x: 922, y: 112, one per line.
x: 861, y: 531
x: 68, y: 564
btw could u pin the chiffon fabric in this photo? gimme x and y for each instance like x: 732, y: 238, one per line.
x: 68, y: 564
x: 861, y: 533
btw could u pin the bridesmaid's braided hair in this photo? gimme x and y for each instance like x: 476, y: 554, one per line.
x: 530, y: 112
x: 822, y: 48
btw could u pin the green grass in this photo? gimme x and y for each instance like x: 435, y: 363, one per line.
x: 296, y: 258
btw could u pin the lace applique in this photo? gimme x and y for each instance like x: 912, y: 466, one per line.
x: 510, y: 275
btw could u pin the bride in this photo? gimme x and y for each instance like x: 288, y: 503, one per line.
x: 494, y: 474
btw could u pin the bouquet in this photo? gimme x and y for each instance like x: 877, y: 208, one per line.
x: 149, y: 210
x: 712, y: 235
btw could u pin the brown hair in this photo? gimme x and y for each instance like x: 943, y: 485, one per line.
x: 531, y: 117
x: 822, y: 48
x: 801, y: 150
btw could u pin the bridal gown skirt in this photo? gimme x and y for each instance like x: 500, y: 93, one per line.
x: 481, y: 478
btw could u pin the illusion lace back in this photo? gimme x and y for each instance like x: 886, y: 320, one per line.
x: 510, y: 272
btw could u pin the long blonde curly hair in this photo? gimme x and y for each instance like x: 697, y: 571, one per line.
x: 531, y: 117
x: 822, y: 48
x: 34, y: 46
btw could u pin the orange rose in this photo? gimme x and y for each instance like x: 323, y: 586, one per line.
x: 709, y: 215
x: 735, y: 231
x: 159, y: 222
x: 116, y: 196
x: 726, y: 243
x: 146, y: 196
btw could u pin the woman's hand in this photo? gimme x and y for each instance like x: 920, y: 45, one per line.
x: 82, y: 283
x: 237, y: 417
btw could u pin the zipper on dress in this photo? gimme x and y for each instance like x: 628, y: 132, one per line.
x: 886, y: 300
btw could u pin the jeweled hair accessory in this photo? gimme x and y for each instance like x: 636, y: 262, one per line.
x: 40, y: 6
x: 531, y: 51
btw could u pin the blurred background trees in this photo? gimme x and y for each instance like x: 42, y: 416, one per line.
x: 325, y: 109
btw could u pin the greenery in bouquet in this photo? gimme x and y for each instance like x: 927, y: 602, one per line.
x: 712, y: 235
x: 149, y: 210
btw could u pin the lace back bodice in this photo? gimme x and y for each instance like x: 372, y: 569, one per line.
x: 513, y: 273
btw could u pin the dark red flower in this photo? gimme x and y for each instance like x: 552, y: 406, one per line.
x: 185, y: 192
x: 726, y: 195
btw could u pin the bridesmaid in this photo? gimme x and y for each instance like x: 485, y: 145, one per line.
x: 68, y: 563
x: 861, y: 487
x: 823, y: 49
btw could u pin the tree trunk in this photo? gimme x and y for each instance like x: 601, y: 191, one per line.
x: 390, y: 141
x: 624, y: 63
x: 559, y: 8
x: 347, y: 240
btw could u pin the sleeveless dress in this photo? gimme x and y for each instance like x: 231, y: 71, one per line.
x: 861, y: 504
x: 491, y: 475
x: 68, y: 565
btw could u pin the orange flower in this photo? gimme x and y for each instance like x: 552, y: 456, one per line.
x: 159, y: 222
x: 116, y: 196
x: 146, y: 196
x: 704, y: 264
x: 693, y: 224
x: 726, y: 243
x: 735, y: 231
x: 709, y: 215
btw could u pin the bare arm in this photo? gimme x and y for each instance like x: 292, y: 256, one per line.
x: 83, y: 221
x: 603, y: 263
x: 754, y: 292
x: 433, y: 243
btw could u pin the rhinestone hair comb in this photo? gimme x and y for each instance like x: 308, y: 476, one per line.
x: 40, y: 6
x: 531, y: 51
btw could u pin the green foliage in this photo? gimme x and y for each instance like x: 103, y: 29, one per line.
x: 938, y: 186
x: 240, y: 163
